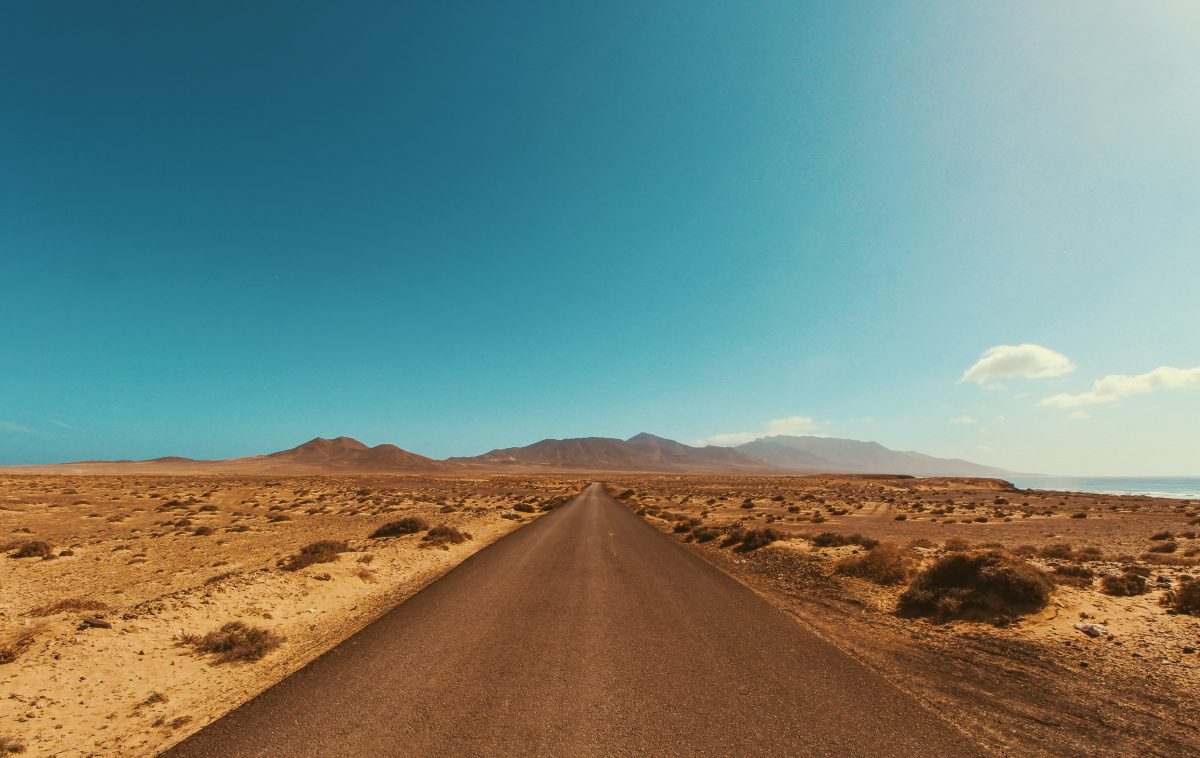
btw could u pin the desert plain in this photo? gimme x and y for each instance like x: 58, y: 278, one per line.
x: 115, y: 591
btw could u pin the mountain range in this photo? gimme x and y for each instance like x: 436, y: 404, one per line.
x: 778, y: 455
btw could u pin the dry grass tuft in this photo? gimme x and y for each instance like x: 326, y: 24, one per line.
x: 69, y: 605
x: 1184, y: 598
x: 886, y: 563
x: 324, y: 551
x: 234, y: 642
x: 443, y: 536
x: 11, y: 745
x: 34, y: 549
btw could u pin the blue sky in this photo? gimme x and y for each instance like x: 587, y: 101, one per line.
x: 227, y: 228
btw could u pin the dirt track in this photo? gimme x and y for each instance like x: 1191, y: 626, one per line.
x: 586, y: 633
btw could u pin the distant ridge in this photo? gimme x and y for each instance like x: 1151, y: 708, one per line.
x: 643, y: 453
x: 832, y: 455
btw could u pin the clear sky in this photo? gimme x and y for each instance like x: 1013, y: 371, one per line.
x: 226, y: 228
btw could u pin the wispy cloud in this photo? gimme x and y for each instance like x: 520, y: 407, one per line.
x: 962, y: 420
x: 1113, y: 387
x: 1024, y: 360
x: 794, y: 425
x: 8, y: 426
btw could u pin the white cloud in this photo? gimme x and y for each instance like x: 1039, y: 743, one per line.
x: 793, y: 425
x: 8, y: 426
x: 1079, y: 416
x: 1113, y: 387
x: 962, y: 420
x: 1025, y: 360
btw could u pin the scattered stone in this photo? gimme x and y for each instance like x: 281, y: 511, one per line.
x: 94, y: 623
x: 1093, y: 630
x: 1189, y: 649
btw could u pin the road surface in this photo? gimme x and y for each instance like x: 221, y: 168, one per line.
x: 585, y: 633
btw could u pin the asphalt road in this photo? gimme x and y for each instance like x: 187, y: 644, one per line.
x: 585, y: 633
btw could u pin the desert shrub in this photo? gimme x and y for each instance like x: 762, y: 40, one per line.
x: 234, y: 641
x: 324, y: 551
x: 733, y: 537
x: 1060, y: 550
x: 979, y: 584
x: 524, y: 508
x: 1184, y: 598
x: 220, y: 578
x: 1081, y: 514
x: 71, y: 604
x: 34, y: 549
x: 756, y: 538
x: 956, y: 545
x: 442, y: 536
x: 902, y: 517
x: 202, y: 531
x: 1163, y: 535
x: 10, y: 745
x: 833, y: 539
x: 682, y: 527
x: 1164, y: 547
x: 407, y: 525
x: 1076, y: 576
x: 1126, y: 584
x: 705, y: 533
x: 885, y: 563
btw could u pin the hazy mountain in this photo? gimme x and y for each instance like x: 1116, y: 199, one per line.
x: 643, y: 452
x: 831, y: 455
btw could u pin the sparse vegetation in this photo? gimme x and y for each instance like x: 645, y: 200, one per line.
x: 34, y: 549
x: 885, y: 563
x: 324, y: 551
x: 234, y: 642
x: 443, y: 536
x: 69, y: 605
x: 11, y: 745
x: 980, y: 584
x: 400, y: 527
x: 1185, y: 597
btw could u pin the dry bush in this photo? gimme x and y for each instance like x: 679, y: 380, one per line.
x: 1075, y: 576
x: 1184, y: 598
x: 443, y: 536
x: 524, y: 508
x: 234, y: 642
x: 756, y: 538
x: 833, y: 539
x: 220, y: 577
x: 34, y: 549
x: 324, y: 551
x: 705, y: 533
x: 1163, y: 535
x: 203, y: 531
x: 1060, y: 550
x: 408, y: 525
x: 982, y: 584
x: 1131, y: 582
x: 886, y: 563
x: 1164, y: 547
x: 69, y: 605
x: 11, y: 745
x: 956, y: 545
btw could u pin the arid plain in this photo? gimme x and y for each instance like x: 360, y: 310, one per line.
x: 115, y: 641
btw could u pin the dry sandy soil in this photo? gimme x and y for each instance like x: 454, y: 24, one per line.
x: 153, y: 559
x: 163, y: 557
x: 1032, y: 685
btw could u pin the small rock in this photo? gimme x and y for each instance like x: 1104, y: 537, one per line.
x: 94, y: 623
x: 1092, y: 630
x: 1189, y: 649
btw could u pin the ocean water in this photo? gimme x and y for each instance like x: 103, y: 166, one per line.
x: 1183, y: 487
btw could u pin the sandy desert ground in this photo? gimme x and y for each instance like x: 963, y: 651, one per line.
x: 1033, y: 684
x: 101, y: 625
x: 123, y: 569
